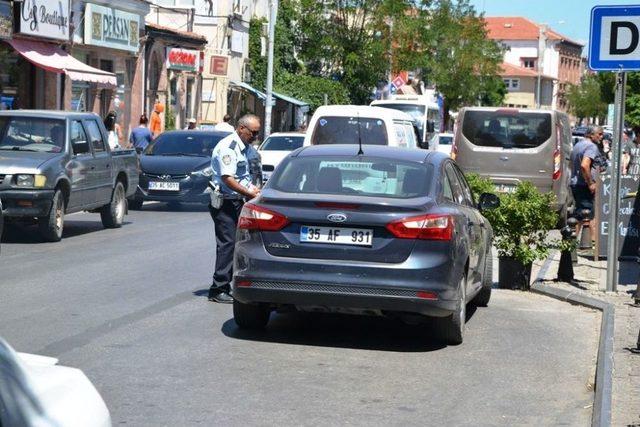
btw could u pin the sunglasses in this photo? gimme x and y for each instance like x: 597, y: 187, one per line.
x: 253, y: 132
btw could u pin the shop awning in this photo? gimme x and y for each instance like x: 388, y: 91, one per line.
x: 291, y: 100
x: 51, y: 58
x: 249, y: 88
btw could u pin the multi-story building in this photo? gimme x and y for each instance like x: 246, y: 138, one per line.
x: 533, y: 50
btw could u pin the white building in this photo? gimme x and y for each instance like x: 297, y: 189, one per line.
x: 534, y: 47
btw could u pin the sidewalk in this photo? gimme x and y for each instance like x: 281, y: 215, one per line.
x: 590, y: 277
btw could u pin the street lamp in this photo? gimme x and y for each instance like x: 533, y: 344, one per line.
x: 273, y: 14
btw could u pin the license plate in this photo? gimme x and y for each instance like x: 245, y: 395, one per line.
x: 506, y: 188
x: 164, y: 186
x: 336, y: 235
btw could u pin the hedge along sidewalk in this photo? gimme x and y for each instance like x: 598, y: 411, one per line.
x: 617, y: 400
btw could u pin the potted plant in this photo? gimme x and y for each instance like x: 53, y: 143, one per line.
x: 521, y: 226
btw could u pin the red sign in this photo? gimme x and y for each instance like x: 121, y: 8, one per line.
x: 182, y: 59
x: 219, y: 65
x: 398, y: 82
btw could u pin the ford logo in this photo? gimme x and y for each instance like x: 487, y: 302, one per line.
x: 337, y: 217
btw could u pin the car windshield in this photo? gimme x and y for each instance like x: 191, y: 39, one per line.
x: 415, y: 111
x: 32, y: 134
x: 506, y: 129
x: 361, y: 176
x: 184, y: 144
x: 282, y: 143
x: 347, y: 130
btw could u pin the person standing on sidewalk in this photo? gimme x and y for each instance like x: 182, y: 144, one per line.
x: 583, y: 160
x: 231, y: 174
x: 224, y: 125
x: 631, y: 154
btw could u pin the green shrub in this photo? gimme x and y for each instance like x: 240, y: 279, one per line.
x: 479, y: 185
x: 522, y: 223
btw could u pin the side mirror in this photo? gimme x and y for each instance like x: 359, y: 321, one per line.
x: 80, y: 147
x: 431, y: 126
x: 488, y: 201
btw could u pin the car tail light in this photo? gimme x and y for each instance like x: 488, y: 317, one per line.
x: 254, y: 217
x: 427, y: 295
x: 243, y: 284
x: 423, y: 227
x: 557, y: 165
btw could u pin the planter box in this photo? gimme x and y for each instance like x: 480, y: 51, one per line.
x: 512, y: 274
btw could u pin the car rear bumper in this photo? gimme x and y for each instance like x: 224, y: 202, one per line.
x: 26, y: 203
x: 346, y: 285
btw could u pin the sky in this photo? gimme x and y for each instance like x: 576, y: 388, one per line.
x: 570, y: 18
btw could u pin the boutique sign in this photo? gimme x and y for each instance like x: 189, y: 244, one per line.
x: 183, y: 59
x: 113, y: 28
x: 44, y: 18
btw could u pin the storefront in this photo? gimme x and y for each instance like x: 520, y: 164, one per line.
x: 36, y: 70
x: 174, y: 70
x: 108, y: 38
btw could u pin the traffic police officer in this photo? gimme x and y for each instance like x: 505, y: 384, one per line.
x: 231, y: 174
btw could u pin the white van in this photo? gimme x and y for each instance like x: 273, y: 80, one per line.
x: 346, y: 124
x: 422, y: 108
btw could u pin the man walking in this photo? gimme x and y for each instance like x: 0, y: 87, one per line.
x: 232, y: 175
x: 583, y: 161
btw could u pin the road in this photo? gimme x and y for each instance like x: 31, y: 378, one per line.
x: 129, y: 308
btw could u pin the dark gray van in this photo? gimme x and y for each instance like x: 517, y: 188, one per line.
x: 510, y: 145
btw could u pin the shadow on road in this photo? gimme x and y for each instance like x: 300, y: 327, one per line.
x: 28, y: 234
x: 182, y: 207
x: 341, y: 331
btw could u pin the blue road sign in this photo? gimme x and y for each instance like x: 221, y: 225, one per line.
x: 614, y: 40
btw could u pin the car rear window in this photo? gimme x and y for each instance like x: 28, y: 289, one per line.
x: 184, y: 144
x: 506, y: 129
x: 361, y: 176
x: 282, y: 143
x: 346, y: 130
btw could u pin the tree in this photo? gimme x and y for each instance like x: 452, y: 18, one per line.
x: 463, y: 61
x: 585, y: 99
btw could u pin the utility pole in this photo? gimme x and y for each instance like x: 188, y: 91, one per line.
x: 273, y: 15
x: 389, y: 22
x: 542, y: 44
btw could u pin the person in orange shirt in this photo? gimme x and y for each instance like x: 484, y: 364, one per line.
x: 155, y: 123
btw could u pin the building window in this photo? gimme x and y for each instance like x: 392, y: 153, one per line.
x: 512, y: 84
x: 528, y: 63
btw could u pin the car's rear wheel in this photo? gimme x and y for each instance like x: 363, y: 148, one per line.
x: 450, y: 329
x: 483, y: 297
x: 52, y: 225
x: 251, y: 316
x: 112, y: 215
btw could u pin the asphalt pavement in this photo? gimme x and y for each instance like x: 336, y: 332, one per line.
x: 129, y: 308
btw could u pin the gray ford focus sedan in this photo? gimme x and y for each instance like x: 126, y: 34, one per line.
x: 390, y: 232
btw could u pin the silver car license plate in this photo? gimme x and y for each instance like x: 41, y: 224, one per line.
x: 164, y: 186
x: 336, y: 235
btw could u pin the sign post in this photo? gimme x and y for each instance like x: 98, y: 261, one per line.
x: 614, y: 195
x: 614, y: 45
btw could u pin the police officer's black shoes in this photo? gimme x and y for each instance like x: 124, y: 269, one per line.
x: 222, y: 297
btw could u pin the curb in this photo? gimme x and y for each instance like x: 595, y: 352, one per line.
x: 601, y: 415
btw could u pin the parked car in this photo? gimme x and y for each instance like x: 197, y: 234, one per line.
x: 392, y: 232
x: 422, y: 108
x: 509, y: 145
x: 350, y: 124
x: 275, y: 148
x: 35, y: 391
x: 176, y: 168
x: 442, y: 142
x: 55, y: 162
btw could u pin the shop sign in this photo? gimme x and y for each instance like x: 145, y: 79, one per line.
x: 219, y: 65
x: 44, y: 18
x: 183, y: 59
x: 109, y: 27
x: 6, y: 23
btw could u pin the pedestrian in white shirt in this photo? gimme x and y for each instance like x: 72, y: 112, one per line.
x: 224, y: 125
